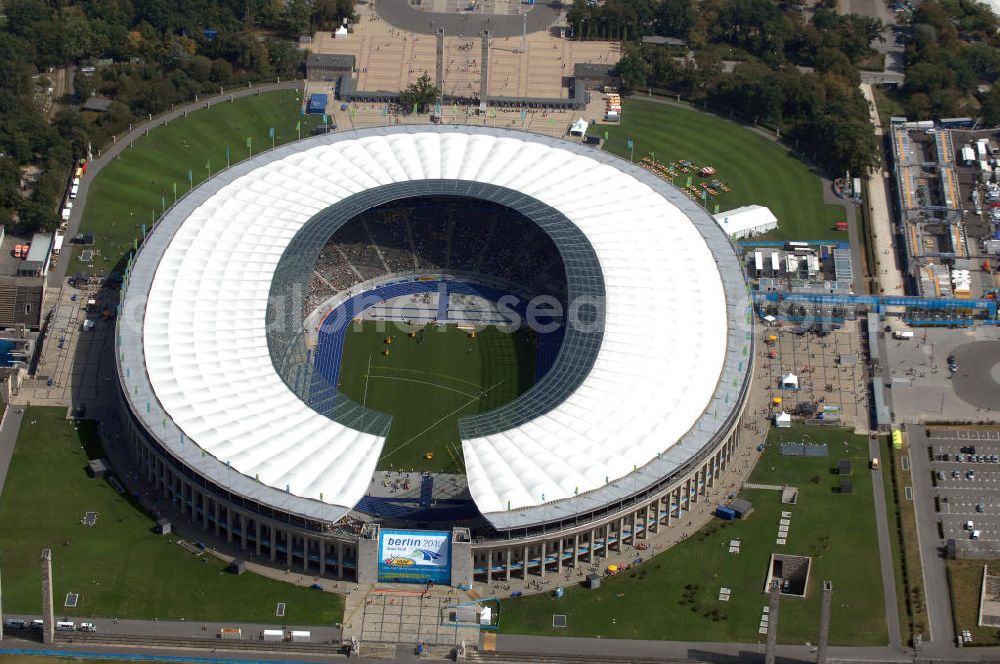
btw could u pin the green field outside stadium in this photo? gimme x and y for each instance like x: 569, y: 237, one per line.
x: 430, y: 380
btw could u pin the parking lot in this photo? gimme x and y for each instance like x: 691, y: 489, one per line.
x: 965, y: 480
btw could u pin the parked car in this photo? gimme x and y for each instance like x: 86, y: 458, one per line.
x: 940, y: 474
x: 970, y: 474
x: 955, y: 474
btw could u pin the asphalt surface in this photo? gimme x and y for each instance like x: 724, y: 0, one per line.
x: 400, y: 14
x: 936, y: 593
x: 8, y: 438
x: 885, y: 555
x: 975, y: 381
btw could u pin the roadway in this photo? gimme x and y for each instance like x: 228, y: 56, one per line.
x: 885, y: 555
x: 888, y: 275
x: 401, y: 14
x: 8, y: 438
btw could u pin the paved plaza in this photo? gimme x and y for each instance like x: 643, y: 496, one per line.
x: 390, y: 58
x: 831, y: 370
x: 75, y: 364
x: 393, y: 615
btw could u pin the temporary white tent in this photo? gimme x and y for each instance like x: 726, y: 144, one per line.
x: 790, y: 382
x: 579, y: 128
x: 747, y: 220
x: 341, y: 32
x: 782, y: 420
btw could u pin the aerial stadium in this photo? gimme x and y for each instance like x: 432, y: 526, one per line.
x: 434, y: 354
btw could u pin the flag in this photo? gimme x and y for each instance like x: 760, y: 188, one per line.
x: 175, y: 190
x: 208, y: 165
x: 270, y: 132
x: 163, y: 203
x: 716, y: 208
x: 629, y: 143
x: 298, y: 126
x: 689, y: 181
x: 414, y: 107
x: 704, y: 195
x: 227, y: 154
x: 249, y: 142
x: 605, y: 135
x: 190, y: 176
x: 135, y: 244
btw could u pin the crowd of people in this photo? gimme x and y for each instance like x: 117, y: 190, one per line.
x: 438, y: 235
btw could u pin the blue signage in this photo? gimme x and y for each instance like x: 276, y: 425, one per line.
x: 414, y: 556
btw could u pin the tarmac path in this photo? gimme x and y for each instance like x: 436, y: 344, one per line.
x: 402, y: 15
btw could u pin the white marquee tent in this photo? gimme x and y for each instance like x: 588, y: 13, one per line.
x: 747, y: 220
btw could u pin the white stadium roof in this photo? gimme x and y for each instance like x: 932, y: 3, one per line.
x: 196, y: 368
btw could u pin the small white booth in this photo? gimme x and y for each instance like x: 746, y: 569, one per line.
x: 789, y: 382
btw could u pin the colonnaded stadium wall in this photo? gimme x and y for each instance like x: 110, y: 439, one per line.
x: 289, y: 541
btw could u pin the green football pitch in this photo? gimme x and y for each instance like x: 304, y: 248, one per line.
x: 431, y: 379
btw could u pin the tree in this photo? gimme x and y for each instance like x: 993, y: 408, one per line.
x: 632, y: 68
x: 420, y: 94
x: 675, y: 17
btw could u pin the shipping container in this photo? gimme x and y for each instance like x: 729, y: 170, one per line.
x: 273, y: 635
x: 725, y: 513
x: 299, y: 636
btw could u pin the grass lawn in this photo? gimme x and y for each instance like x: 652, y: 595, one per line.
x: 758, y: 171
x: 131, y: 191
x: 674, y: 595
x: 429, y: 381
x: 119, y: 567
x: 965, y: 582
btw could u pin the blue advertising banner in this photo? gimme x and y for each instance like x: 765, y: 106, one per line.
x: 414, y: 556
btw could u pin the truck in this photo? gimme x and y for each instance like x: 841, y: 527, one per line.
x: 875, y: 464
x: 57, y: 243
x: 300, y: 636
x: 231, y: 633
x: 902, y: 334
x: 841, y: 225
x: 273, y: 635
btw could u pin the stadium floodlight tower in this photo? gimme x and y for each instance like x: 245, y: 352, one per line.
x: 636, y: 417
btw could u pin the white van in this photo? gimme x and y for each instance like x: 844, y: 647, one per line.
x: 65, y: 626
x: 74, y: 190
x: 969, y: 525
x: 87, y: 627
x: 975, y: 534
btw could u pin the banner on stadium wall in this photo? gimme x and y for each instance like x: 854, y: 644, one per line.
x: 414, y: 556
